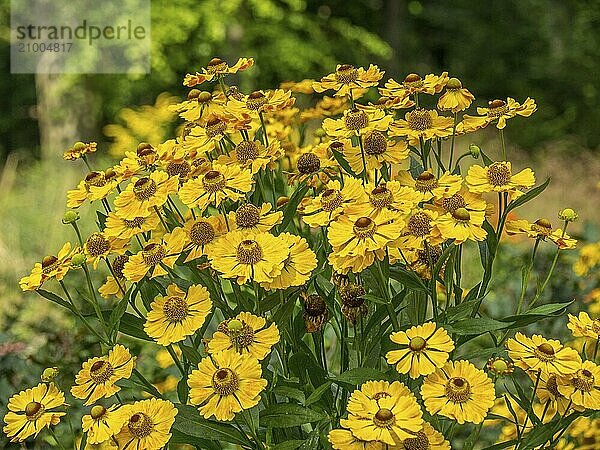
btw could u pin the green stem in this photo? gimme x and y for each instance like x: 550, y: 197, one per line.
x: 452, y: 144
x: 526, y: 278
x: 95, y: 304
x: 362, y: 155
x: 262, y: 122
x: 176, y: 360
x: 503, y: 144
x: 75, y: 311
x: 55, y: 438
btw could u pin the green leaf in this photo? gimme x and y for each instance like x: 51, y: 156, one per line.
x: 289, y: 392
x: 133, y: 326
x: 339, y: 157
x: 190, y: 353
x: 533, y: 193
x: 538, y: 313
x: 476, y: 325
x: 116, y: 314
x: 54, y: 298
x: 409, y: 279
x: 291, y: 208
x: 189, y: 423
x: 359, y: 375
x: 286, y: 415
x: 180, y: 438
x: 182, y: 390
x: 288, y: 445
x: 101, y: 220
x: 317, y: 394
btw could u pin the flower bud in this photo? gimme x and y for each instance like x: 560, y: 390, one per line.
x: 282, y: 201
x: 70, y: 217
x: 78, y: 259
x: 453, y: 84
x: 319, y: 132
x: 49, y: 374
x: 79, y: 145
x: 474, y: 150
x: 568, y: 215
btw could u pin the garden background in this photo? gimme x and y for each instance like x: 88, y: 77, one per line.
x: 546, y: 49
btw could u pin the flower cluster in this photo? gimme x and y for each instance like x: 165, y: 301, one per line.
x: 277, y: 269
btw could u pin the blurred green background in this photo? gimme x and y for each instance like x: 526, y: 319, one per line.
x: 545, y: 49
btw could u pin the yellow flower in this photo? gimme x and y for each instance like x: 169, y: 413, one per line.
x: 462, y: 225
x: 216, y: 67
x: 144, y: 194
x: 456, y: 98
x: 376, y: 390
x: 253, y: 155
x: 98, y: 246
x: 424, y: 348
x: 331, y: 203
x: 356, y: 243
x: 584, y: 326
x: 538, y: 353
x: 78, y: 150
x: 115, y: 285
x: 218, y: 184
x: 253, y: 219
x: 498, y: 178
x: 316, y: 164
x: 429, y: 186
x: 589, y: 258
x: 388, y: 419
x: 143, y: 159
x: 258, y: 257
x: 177, y: 315
x: 459, y: 391
x: 426, y: 439
x: 201, y: 234
x: 259, y: 102
x: 387, y: 196
x: 498, y: 112
x: 32, y: 410
x: 414, y: 84
x: 583, y: 388
x: 147, y: 424
x: 102, y: 423
x: 155, y: 256
x: 225, y: 384
x: 95, y: 186
x: 98, y: 375
x: 421, y: 227
x: 200, y: 103
x: 422, y: 124
x: 548, y: 390
x: 378, y: 150
x: 117, y: 227
x: 207, y: 134
x: 50, y: 267
x: 245, y: 334
x: 325, y: 107
x: 348, y: 78
x: 342, y: 439
x: 540, y: 229
x: 297, y: 267
x: 357, y: 122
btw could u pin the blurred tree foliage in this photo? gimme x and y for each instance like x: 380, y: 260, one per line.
x: 546, y: 49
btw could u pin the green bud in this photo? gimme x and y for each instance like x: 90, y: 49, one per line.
x: 320, y: 132
x: 49, y: 374
x: 568, y: 215
x: 70, y: 217
x: 79, y: 145
x: 78, y: 259
x: 454, y: 83
x: 474, y: 150
x: 235, y: 325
